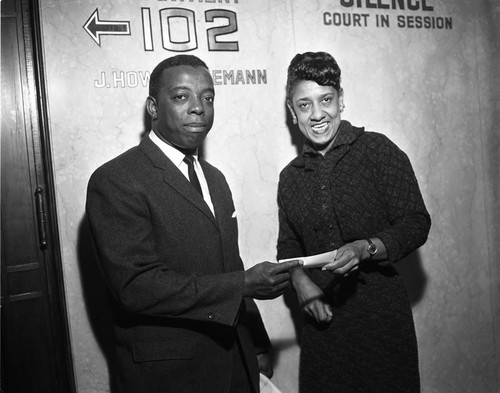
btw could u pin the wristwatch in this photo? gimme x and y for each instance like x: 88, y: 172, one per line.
x: 372, y: 248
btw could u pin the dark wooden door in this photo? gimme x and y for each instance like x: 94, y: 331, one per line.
x: 35, y: 346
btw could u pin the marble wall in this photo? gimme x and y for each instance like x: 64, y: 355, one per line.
x: 427, y: 77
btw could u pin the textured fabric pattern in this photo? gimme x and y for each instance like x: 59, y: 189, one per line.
x: 363, y: 187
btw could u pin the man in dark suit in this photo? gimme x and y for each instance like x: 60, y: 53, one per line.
x: 165, y: 230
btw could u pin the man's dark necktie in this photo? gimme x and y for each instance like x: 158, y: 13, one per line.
x: 193, y: 178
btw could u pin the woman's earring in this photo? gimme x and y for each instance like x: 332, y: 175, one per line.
x: 342, y: 107
x: 294, y: 120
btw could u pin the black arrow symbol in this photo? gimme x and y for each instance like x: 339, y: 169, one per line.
x: 96, y: 27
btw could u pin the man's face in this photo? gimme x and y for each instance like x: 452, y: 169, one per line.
x: 183, y: 114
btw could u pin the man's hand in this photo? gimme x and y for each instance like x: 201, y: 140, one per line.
x: 268, y: 280
x: 265, y: 366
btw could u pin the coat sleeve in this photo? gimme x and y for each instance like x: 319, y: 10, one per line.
x: 408, y: 217
x: 142, y: 281
x: 289, y: 245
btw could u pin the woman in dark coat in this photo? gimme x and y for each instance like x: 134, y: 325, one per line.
x: 355, y: 192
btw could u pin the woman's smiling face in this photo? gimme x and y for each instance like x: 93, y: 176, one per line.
x: 317, y: 111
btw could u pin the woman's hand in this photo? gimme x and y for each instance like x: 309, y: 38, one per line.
x: 311, y: 297
x: 348, y: 258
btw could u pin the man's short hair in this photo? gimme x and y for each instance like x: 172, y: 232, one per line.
x: 179, y: 60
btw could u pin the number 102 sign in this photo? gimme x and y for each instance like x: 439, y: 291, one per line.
x: 179, y: 29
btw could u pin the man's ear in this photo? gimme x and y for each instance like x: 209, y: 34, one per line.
x: 290, y: 108
x: 151, y: 107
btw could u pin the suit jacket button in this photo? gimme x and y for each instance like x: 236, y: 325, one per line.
x: 210, y: 316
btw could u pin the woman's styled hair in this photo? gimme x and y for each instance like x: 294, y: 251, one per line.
x: 179, y: 60
x: 319, y: 67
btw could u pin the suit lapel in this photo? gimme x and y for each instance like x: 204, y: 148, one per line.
x: 218, y: 200
x: 223, y: 208
x: 174, y: 178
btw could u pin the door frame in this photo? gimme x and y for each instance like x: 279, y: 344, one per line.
x: 27, y: 13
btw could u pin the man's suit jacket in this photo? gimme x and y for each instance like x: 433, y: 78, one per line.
x: 175, y: 275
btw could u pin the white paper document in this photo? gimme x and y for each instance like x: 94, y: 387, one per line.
x: 266, y: 386
x: 317, y: 260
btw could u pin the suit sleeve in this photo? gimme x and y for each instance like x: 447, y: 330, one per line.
x: 141, y: 282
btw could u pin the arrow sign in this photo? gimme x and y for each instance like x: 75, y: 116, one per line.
x: 96, y: 27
